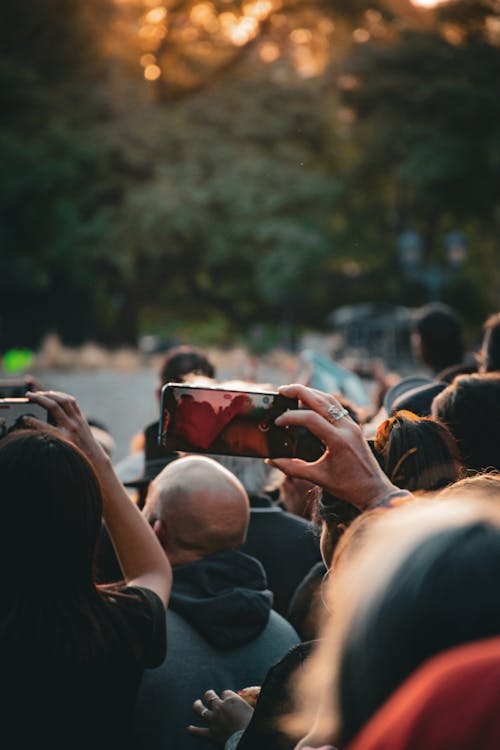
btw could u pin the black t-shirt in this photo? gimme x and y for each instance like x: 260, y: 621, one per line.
x: 52, y: 702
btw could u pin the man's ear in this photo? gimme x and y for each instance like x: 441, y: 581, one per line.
x: 160, y: 532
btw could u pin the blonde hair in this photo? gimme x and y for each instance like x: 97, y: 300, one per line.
x: 372, y: 550
x: 486, y: 486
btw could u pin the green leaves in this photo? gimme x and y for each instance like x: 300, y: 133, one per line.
x: 223, y: 199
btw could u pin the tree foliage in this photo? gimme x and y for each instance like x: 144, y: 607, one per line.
x: 191, y: 159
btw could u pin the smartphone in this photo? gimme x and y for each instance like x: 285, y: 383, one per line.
x: 15, y: 387
x: 234, y: 423
x: 13, y: 409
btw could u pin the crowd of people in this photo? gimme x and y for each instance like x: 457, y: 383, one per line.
x: 194, y: 601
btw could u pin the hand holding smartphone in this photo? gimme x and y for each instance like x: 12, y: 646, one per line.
x: 231, y: 422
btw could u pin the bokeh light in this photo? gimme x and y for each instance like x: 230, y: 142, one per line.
x: 361, y: 35
x: 156, y: 15
x: 301, y: 36
x: 259, y: 9
x: 269, y: 52
x: 147, y: 59
x: 428, y: 3
x: 152, y: 72
x: 243, y: 31
x: 202, y: 13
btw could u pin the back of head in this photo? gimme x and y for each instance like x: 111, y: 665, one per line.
x: 198, y: 509
x: 491, y: 344
x: 441, y: 336
x: 401, y: 583
x: 485, y: 486
x: 441, y: 594
x: 434, y: 709
x: 185, y: 360
x: 418, y: 453
x: 470, y: 407
x: 51, y: 513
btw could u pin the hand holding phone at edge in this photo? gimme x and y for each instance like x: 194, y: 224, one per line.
x: 347, y: 469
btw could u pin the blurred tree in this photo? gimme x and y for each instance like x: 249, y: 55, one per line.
x: 417, y: 103
x: 204, y: 232
x: 58, y: 183
x: 193, y: 158
x: 423, y: 121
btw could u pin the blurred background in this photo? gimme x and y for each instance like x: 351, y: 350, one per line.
x: 237, y: 172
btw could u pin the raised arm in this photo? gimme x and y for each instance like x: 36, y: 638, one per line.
x: 141, y: 558
x: 347, y: 469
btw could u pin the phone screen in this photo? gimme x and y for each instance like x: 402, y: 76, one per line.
x: 235, y: 423
x: 13, y: 409
x: 12, y: 388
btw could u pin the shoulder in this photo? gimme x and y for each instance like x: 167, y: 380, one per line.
x: 282, y: 518
x: 279, y: 624
x: 277, y: 638
x: 186, y: 644
x: 142, y: 614
x: 295, y: 656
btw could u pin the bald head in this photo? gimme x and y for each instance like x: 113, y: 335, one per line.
x: 197, y: 508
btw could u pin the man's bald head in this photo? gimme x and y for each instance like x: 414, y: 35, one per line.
x: 197, y: 508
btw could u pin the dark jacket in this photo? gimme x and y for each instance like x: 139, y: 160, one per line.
x: 221, y: 634
x: 286, y: 545
x: 224, y: 597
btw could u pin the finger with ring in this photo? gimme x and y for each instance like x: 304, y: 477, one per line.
x: 335, y: 413
x: 210, y: 697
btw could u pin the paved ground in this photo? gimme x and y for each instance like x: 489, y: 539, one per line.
x: 124, y: 401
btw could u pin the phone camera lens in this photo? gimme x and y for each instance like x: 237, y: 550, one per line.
x: 265, y: 400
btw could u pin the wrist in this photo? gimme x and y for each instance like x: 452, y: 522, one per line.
x: 386, y: 498
x: 365, y: 494
x: 101, y: 462
x: 232, y: 742
x: 372, y: 494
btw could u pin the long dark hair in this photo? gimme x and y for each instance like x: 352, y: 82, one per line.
x: 52, y: 509
x: 444, y: 593
x: 51, y: 516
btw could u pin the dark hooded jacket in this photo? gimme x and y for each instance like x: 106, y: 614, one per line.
x: 222, y: 633
x: 224, y: 597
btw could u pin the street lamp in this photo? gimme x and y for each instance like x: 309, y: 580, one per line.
x: 456, y: 250
x: 433, y: 276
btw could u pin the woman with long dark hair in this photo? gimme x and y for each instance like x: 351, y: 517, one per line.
x: 72, y: 653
